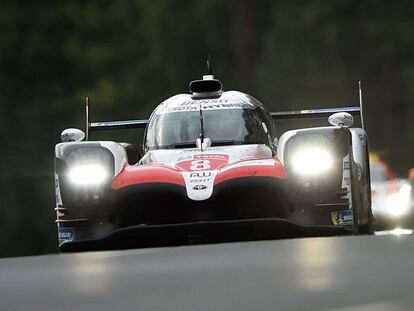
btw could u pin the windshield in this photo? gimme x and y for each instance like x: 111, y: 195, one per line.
x: 223, y: 127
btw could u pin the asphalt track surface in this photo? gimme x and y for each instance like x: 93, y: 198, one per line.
x: 335, y: 273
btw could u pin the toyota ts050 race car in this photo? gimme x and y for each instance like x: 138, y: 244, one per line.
x: 211, y: 165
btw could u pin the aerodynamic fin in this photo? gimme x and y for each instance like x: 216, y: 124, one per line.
x: 281, y: 115
x: 110, y: 125
x: 118, y: 125
x: 323, y: 112
x: 360, y: 103
x: 314, y: 113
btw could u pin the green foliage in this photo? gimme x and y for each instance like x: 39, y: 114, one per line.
x: 130, y: 55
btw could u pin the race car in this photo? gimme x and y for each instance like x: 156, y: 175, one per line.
x: 211, y: 165
x: 392, y: 197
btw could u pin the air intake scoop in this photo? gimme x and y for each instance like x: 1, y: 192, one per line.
x: 206, y: 88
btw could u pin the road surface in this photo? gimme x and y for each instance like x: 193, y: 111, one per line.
x: 335, y: 273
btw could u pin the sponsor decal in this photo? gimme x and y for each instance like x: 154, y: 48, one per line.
x: 57, y: 192
x: 199, y: 184
x: 204, y: 101
x: 66, y: 234
x: 212, y: 156
x: 346, y: 177
x: 211, y: 104
x: 202, y: 174
x: 342, y: 217
x: 197, y: 181
x: 185, y: 157
x: 201, y: 162
x: 200, y: 187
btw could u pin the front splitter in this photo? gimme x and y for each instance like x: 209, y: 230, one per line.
x: 202, y: 232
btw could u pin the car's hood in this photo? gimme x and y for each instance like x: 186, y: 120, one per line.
x: 214, y: 157
x: 199, y: 171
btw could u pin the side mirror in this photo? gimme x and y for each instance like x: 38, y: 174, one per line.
x: 342, y: 119
x: 72, y: 134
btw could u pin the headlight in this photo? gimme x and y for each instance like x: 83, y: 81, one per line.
x: 311, y: 161
x: 88, y: 174
x: 398, y: 204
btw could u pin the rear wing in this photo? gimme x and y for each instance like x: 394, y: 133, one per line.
x: 110, y: 125
x: 283, y: 115
x: 317, y: 113
x: 314, y: 113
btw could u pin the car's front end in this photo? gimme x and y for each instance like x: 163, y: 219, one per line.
x: 211, y: 161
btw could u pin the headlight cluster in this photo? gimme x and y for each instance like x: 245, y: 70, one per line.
x: 88, y: 167
x: 311, y: 161
x: 84, y: 173
x: 315, y: 160
x: 87, y: 174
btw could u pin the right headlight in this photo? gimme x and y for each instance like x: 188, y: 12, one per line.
x: 316, y: 159
x: 87, y: 174
x: 311, y: 161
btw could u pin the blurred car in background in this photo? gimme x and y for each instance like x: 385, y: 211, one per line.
x: 392, y: 197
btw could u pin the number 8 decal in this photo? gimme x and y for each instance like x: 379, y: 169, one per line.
x: 199, y: 165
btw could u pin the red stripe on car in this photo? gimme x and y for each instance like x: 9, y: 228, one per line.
x: 276, y: 171
x: 132, y: 175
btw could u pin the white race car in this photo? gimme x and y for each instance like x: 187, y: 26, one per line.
x: 211, y: 163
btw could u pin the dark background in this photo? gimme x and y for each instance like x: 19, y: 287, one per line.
x: 130, y: 55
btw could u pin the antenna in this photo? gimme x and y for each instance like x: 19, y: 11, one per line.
x: 360, y: 103
x: 209, y: 65
x: 202, y: 127
x: 210, y: 75
x: 87, y: 118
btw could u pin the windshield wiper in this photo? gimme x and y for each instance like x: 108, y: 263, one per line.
x: 201, y: 127
x: 182, y: 145
x: 227, y: 142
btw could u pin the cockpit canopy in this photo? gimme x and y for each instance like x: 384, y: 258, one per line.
x: 232, y: 119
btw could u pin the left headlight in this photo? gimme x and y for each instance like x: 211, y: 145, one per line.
x: 85, y: 171
x: 311, y: 161
x: 88, y: 174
